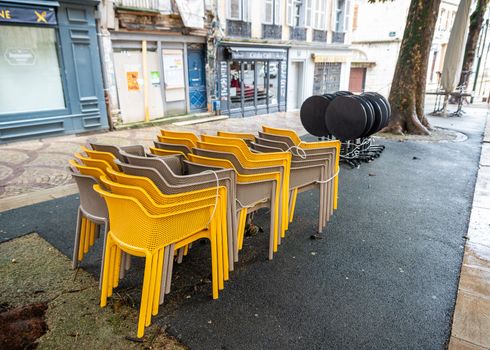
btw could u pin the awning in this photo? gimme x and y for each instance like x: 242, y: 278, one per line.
x: 192, y: 13
x: 328, y: 58
x: 29, y: 15
x: 362, y: 64
x: 257, y: 53
x: 31, y: 2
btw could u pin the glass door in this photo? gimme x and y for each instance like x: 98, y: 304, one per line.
x: 262, y: 86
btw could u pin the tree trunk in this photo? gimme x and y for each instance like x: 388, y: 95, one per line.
x: 476, y: 21
x: 407, y: 94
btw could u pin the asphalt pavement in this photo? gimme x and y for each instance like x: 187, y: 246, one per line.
x: 384, y: 275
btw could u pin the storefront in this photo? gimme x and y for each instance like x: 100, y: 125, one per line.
x: 50, y: 75
x: 158, y: 76
x: 316, y: 72
x: 252, y: 80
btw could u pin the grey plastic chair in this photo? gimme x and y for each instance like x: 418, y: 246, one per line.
x: 174, y: 172
x: 254, y: 195
x: 321, y: 154
x: 138, y: 150
x: 172, y: 147
x: 226, y: 178
x: 304, y: 176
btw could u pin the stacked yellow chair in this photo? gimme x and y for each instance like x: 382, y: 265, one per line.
x: 311, y: 146
x: 139, y: 213
x: 247, y: 159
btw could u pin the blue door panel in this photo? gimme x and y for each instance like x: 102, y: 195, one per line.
x: 197, y: 79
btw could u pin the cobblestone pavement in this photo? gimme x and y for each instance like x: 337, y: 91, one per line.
x: 35, y: 165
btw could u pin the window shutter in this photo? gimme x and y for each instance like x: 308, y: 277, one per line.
x: 308, y: 13
x: 268, y: 12
x: 347, y: 16
x: 277, y: 12
x: 290, y: 12
x: 245, y: 10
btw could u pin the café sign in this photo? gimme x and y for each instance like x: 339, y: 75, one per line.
x: 42, y: 15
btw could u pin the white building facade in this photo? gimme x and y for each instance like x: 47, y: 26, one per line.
x: 376, y: 38
x: 273, y: 54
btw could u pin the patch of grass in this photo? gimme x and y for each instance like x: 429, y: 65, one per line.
x: 31, y: 270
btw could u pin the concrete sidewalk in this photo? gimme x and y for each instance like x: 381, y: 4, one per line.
x: 471, y: 320
x: 30, y: 170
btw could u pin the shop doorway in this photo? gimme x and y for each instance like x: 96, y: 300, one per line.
x: 295, y: 86
x: 357, y: 79
x: 130, y: 81
x: 197, y: 80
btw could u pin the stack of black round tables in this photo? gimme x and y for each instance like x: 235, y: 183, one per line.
x: 349, y: 118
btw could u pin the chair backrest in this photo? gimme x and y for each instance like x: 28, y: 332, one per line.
x: 282, y: 132
x: 105, y: 156
x: 166, y: 166
x: 278, y: 138
x: 100, y: 164
x: 172, y: 147
x: 85, y: 170
x: 160, y: 152
x: 177, y: 141
x: 90, y: 201
x: 180, y: 134
x: 283, y: 146
x: 263, y: 148
x: 221, y: 156
x: 241, y: 135
x: 134, y: 226
x: 118, y: 151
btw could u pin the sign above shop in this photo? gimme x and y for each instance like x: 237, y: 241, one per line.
x: 42, y: 16
x: 242, y: 53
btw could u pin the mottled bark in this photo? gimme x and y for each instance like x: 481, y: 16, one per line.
x: 407, y: 93
x: 476, y: 22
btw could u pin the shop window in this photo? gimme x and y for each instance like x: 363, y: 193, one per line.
x: 273, y: 82
x: 29, y: 70
x: 262, y: 83
x: 235, y: 84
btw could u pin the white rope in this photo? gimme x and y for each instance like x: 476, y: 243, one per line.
x: 330, y: 179
x: 251, y: 205
x: 217, y: 193
x: 302, y: 156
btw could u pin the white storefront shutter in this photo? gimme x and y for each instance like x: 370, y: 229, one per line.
x: 347, y: 16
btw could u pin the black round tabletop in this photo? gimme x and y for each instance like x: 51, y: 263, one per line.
x: 312, y: 115
x: 346, y: 118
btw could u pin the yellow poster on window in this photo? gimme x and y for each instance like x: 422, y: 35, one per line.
x: 133, y: 84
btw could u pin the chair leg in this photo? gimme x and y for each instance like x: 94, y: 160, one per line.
x: 170, y: 268
x: 166, y: 256
x: 105, y: 276
x: 81, y: 249
x: 180, y: 255
x: 106, y: 229
x: 144, y: 296
x: 158, y: 283
x: 76, y: 247
x: 214, y: 260
x: 152, y: 290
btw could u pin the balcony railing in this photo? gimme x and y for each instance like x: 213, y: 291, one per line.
x: 297, y: 33
x: 271, y: 31
x: 149, y: 5
x: 320, y: 35
x: 338, y: 37
x: 240, y: 29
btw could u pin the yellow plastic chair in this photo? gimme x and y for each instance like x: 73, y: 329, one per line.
x: 168, y: 203
x: 190, y: 143
x: 100, y: 164
x: 251, y: 192
x: 137, y: 232
x: 253, y: 160
x: 312, y: 146
x: 247, y: 137
x: 106, y: 156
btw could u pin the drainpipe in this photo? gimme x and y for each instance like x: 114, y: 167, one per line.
x: 100, y: 42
